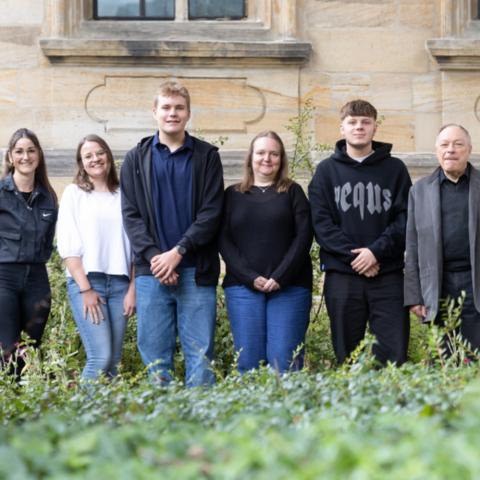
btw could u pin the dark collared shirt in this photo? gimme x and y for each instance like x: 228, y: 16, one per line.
x: 172, y: 192
x: 454, y: 208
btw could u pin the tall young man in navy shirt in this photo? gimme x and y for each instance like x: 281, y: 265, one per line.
x: 172, y: 196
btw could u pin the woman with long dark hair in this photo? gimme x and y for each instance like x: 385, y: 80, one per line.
x: 97, y: 256
x: 265, y: 242
x: 28, y: 212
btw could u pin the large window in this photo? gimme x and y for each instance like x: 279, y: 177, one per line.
x: 165, y: 9
x: 195, y: 32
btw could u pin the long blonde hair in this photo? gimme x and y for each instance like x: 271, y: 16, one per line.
x: 281, y: 182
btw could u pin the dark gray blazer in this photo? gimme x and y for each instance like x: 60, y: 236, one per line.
x: 424, y: 261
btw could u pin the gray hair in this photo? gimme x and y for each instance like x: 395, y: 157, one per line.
x: 461, y: 127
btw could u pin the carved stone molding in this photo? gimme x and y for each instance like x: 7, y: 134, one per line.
x: 476, y: 108
x: 133, y: 52
x: 124, y: 103
x: 455, y: 53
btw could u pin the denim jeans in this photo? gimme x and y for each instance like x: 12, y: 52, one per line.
x: 24, y: 303
x: 269, y: 327
x: 186, y: 309
x: 103, y: 343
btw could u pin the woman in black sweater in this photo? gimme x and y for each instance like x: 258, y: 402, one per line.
x: 265, y: 242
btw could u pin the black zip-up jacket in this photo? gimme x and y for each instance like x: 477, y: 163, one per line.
x: 26, y: 229
x: 207, y: 203
x: 360, y: 204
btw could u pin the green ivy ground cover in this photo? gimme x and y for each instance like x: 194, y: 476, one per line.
x: 420, y: 421
x: 357, y: 422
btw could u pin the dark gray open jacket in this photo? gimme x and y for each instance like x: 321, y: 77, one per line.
x: 424, y: 253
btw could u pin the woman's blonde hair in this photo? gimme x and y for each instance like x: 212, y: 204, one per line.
x: 281, y: 182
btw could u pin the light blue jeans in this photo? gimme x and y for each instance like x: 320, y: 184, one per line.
x: 103, y: 343
x: 186, y: 309
x: 269, y: 327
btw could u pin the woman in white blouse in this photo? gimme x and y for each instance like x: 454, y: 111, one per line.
x: 97, y: 255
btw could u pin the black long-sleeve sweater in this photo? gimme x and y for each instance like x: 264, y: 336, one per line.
x: 266, y: 234
x: 360, y: 204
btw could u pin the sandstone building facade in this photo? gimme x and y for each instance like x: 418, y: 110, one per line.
x: 66, y: 70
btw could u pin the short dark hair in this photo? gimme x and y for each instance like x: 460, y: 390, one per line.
x: 41, y: 176
x: 282, y: 182
x: 358, y: 108
x: 81, y: 177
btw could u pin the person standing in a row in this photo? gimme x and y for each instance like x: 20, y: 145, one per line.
x: 28, y: 212
x: 265, y: 242
x: 172, y: 197
x: 97, y: 256
x: 359, y: 207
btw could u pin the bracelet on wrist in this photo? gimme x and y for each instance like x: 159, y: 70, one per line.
x: 86, y: 290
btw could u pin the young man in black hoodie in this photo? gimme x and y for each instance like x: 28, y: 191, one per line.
x: 359, y: 202
x: 172, y: 200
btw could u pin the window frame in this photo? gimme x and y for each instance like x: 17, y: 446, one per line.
x: 458, y: 48
x: 143, y: 17
x: 262, y: 38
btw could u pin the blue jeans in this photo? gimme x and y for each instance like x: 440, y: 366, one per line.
x: 186, y: 309
x: 103, y: 343
x: 269, y: 327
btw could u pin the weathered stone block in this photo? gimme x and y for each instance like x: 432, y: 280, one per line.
x: 392, y: 92
x: 21, y: 12
x: 426, y: 130
x: 348, y: 14
x: 427, y: 92
x: 414, y: 14
x: 364, y: 50
x: 18, y: 56
x: 398, y: 130
x: 8, y: 88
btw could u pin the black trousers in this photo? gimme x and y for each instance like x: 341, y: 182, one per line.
x: 452, y: 285
x: 25, y: 301
x: 353, y: 301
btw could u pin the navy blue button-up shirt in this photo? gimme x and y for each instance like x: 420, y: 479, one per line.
x: 172, y: 193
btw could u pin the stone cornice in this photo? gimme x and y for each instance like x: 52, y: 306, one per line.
x: 133, y: 51
x: 455, y: 53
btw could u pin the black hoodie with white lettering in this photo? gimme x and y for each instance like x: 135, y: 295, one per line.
x: 360, y: 204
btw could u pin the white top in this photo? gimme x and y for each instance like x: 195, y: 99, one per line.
x: 361, y: 159
x: 90, y: 227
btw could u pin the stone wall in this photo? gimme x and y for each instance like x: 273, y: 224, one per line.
x: 64, y: 75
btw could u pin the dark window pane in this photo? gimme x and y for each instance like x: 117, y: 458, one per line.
x: 216, y: 8
x: 118, y: 8
x: 160, y: 8
x: 164, y: 9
